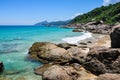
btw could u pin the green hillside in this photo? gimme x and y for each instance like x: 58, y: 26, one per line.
x: 108, y: 14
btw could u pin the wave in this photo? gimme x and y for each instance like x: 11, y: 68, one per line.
x: 76, y: 39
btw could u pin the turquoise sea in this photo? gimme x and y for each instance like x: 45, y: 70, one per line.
x: 16, y: 40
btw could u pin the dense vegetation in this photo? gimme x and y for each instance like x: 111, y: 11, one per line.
x: 108, y: 14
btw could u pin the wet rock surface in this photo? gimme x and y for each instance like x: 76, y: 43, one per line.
x: 1, y: 67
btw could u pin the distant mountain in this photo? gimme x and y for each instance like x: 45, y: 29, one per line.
x: 108, y: 14
x: 43, y: 23
x: 54, y: 23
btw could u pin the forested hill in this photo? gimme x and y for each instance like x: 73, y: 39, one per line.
x: 108, y: 14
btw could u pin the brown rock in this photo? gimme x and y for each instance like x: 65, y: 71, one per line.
x: 57, y: 72
x: 78, y: 54
x: 109, y: 76
x: 103, y: 60
x: 40, y: 70
x: 48, y: 52
x: 62, y: 53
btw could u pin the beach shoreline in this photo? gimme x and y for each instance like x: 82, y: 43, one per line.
x: 96, y: 40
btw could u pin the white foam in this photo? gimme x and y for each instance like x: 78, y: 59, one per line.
x: 76, y: 39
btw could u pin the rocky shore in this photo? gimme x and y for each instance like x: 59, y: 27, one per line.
x: 72, y: 62
x: 94, y: 27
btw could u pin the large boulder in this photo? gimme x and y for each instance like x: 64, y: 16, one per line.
x: 1, y: 67
x: 109, y: 76
x: 115, y: 37
x: 48, y: 52
x: 103, y: 60
x: 61, y: 53
x: 57, y: 72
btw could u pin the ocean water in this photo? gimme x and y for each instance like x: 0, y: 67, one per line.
x: 16, y: 40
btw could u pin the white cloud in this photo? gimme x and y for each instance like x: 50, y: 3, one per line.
x: 107, y: 2
x: 77, y: 14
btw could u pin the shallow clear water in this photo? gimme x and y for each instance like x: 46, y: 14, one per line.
x: 15, y: 42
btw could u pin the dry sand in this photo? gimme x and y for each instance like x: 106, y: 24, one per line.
x: 103, y: 40
x: 98, y: 40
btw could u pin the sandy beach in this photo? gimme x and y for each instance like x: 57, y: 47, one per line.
x: 101, y: 40
x: 97, y: 40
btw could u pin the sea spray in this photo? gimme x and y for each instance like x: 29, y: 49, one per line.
x: 76, y: 39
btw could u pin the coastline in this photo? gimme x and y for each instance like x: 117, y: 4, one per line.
x: 94, y: 41
x: 84, y: 47
x: 70, y: 58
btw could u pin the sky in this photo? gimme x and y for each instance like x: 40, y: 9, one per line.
x: 28, y: 12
